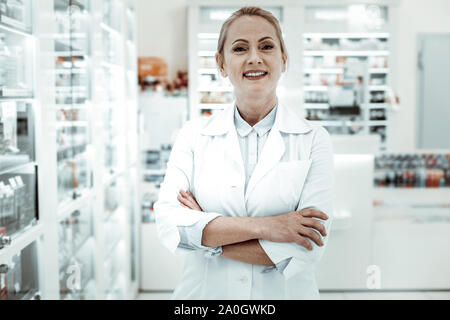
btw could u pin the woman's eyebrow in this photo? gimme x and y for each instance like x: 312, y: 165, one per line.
x: 262, y: 39
x: 243, y: 40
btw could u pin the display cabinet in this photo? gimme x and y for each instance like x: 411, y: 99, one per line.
x: 76, y: 255
x: 19, y: 224
x: 19, y: 275
x: 114, y: 137
x: 72, y: 99
x: 67, y: 164
x: 346, y: 68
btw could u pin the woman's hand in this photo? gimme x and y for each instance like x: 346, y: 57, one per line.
x: 187, y: 200
x: 295, y: 226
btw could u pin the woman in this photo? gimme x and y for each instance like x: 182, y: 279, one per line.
x: 258, y: 179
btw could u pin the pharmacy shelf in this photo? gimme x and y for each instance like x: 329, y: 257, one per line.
x: 315, y: 88
x: 213, y: 106
x: 322, y: 70
x: 24, y: 166
x: 378, y: 70
x: 375, y: 123
x: 108, y: 29
x: 208, y: 71
x: 92, y: 126
x: 378, y: 88
x: 21, y: 240
x: 316, y: 105
x: 215, y: 89
x: 206, y: 53
x: 347, y: 35
x: 153, y: 171
x: 343, y: 53
x: 377, y: 106
x: 337, y: 123
x: 412, y: 196
x: 372, y: 49
x: 13, y: 27
x: 69, y: 206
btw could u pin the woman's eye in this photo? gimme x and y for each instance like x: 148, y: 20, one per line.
x: 267, y: 47
x: 238, y: 49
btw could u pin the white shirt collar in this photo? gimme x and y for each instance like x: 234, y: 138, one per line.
x: 261, y: 128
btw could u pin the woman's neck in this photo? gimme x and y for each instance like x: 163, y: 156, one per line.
x: 254, y: 110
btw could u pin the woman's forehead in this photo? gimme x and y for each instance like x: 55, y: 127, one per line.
x: 250, y: 28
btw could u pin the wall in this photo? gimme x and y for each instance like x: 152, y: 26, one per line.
x: 412, y: 17
x: 162, y: 32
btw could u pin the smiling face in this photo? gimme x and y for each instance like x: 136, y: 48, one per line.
x: 252, y: 57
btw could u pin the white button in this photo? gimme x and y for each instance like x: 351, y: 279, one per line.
x: 243, y: 279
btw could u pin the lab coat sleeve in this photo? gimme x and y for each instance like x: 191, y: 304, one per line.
x: 169, y: 212
x: 191, y: 237
x: 318, y: 194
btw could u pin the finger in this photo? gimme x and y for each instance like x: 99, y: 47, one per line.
x: 183, y: 193
x: 303, y: 242
x: 313, y: 223
x: 311, y: 234
x: 184, y: 201
x: 186, y: 197
x: 194, y: 202
x: 313, y: 213
x: 191, y: 196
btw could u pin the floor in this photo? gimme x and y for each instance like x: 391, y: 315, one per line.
x: 348, y: 295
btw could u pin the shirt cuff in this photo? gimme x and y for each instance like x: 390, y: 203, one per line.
x: 191, y: 236
x: 280, y: 266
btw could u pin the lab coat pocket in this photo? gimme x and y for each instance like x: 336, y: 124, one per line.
x: 291, y: 176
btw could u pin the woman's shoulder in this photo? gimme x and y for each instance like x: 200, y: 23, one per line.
x: 195, y: 125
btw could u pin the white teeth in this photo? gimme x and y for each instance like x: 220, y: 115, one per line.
x: 254, y: 74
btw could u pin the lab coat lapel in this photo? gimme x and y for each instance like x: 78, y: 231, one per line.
x: 234, y: 176
x: 271, y: 154
x: 233, y: 172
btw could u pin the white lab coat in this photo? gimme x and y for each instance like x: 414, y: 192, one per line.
x: 294, y: 171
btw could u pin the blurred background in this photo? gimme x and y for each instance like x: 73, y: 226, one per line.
x: 93, y: 93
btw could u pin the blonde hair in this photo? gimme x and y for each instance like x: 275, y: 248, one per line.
x: 250, y: 11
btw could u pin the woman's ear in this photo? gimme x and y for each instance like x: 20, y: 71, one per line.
x: 284, y: 58
x: 220, y: 65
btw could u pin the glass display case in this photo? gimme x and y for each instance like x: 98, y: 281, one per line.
x: 76, y: 255
x: 16, y: 69
x: 17, y: 128
x: 346, y: 68
x: 72, y: 94
x: 16, y: 14
x: 112, y: 57
x: 18, y: 276
x: 133, y: 224
x: 16, y: 133
x: 18, y: 199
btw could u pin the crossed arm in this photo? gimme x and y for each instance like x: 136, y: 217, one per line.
x: 239, y: 236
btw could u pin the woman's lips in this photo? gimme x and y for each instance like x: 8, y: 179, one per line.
x: 255, y: 74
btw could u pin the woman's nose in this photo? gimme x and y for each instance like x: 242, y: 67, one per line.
x: 254, y: 57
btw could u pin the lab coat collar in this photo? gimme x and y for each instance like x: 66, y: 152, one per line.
x: 261, y: 128
x: 286, y: 120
